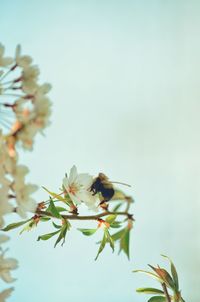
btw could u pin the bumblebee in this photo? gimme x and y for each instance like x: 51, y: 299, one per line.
x: 102, y: 185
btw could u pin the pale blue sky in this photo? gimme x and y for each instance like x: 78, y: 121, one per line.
x: 125, y: 78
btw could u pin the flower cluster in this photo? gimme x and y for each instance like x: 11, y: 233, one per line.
x: 6, y: 265
x: 24, y: 111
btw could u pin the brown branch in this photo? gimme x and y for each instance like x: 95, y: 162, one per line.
x: 167, y: 296
x: 89, y: 217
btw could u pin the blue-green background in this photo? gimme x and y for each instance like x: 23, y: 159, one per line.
x: 126, y: 101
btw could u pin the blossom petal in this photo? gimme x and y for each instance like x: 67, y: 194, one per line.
x: 73, y: 174
x: 85, y: 180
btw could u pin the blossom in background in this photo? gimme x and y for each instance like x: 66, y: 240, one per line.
x: 6, y: 265
x: 5, y: 294
x: 23, y: 191
x: 22, y: 60
x: 4, y: 61
x: 5, y: 206
x: 78, y: 188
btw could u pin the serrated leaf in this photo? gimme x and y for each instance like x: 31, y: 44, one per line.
x: 157, y: 299
x: 102, y: 245
x: 174, y: 273
x: 52, y: 209
x: 14, y: 225
x: 149, y: 290
x: 111, y: 218
x: 87, y: 232
x: 47, y: 236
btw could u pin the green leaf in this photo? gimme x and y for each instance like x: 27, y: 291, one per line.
x: 115, y: 225
x: 109, y: 239
x: 174, y: 273
x: 88, y: 232
x: 57, y: 196
x: 124, y: 242
x: 14, y: 225
x: 60, y: 209
x: 118, y: 235
x: 164, y: 275
x: 47, y: 236
x: 57, y: 226
x: 111, y: 218
x: 157, y: 299
x: 52, y: 209
x: 44, y: 218
x: 29, y: 226
x: 102, y: 245
x: 149, y: 290
x: 148, y: 274
x: 117, y: 207
x: 63, y: 232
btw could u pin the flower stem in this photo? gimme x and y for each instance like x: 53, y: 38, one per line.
x: 89, y: 217
x: 167, y: 296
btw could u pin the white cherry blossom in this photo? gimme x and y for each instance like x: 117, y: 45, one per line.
x: 78, y: 188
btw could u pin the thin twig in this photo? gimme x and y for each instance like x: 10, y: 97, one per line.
x: 167, y: 296
x: 89, y: 217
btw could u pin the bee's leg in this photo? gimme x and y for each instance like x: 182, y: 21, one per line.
x: 103, y: 205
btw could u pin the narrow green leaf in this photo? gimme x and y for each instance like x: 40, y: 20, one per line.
x: 57, y: 226
x: 52, y: 209
x: 117, y: 207
x: 148, y: 274
x: 60, y: 209
x: 87, y: 232
x: 157, y: 299
x: 47, y: 236
x: 44, y: 218
x: 63, y: 232
x: 164, y: 275
x: 111, y: 218
x: 102, y: 245
x: 149, y: 290
x: 57, y: 196
x: 124, y: 242
x: 109, y: 239
x: 14, y: 225
x: 29, y: 226
x: 116, y: 225
x: 174, y: 273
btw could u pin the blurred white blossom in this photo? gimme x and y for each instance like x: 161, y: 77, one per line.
x: 5, y: 294
x: 4, y: 61
x: 6, y: 265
